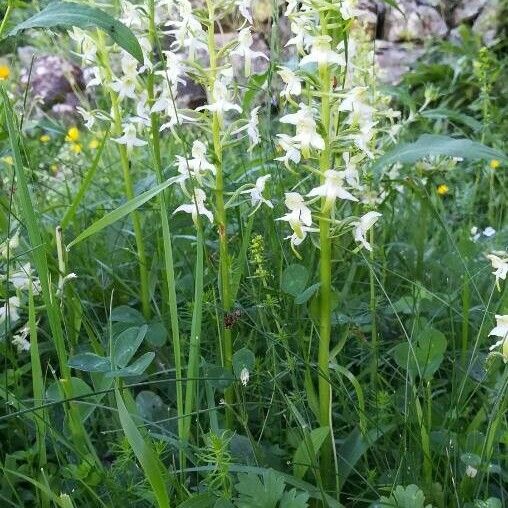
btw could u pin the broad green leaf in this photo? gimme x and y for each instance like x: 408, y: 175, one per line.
x: 306, y: 295
x: 125, y: 314
x: 259, y: 492
x: 90, y: 362
x: 134, y: 369
x: 294, y: 279
x: 126, y: 344
x: 454, y: 116
x: 156, y: 334
x: 433, y: 144
x: 119, y: 213
x: 404, y: 497
x: 69, y: 14
x: 308, y: 448
x: 79, y: 388
x: 243, y: 359
x: 141, y: 446
x: 424, y: 356
x: 294, y: 499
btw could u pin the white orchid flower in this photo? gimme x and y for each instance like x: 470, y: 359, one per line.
x: 500, y: 265
x: 252, y: 129
x: 221, y: 103
x: 363, y: 225
x: 244, y: 7
x: 195, y: 167
x: 244, y: 50
x: 20, y: 279
x: 9, y: 311
x: 256, y: 192
x: 306, y: 129
x: 322, y: 53
x: 292, y: 81
x: 129, y: 138
x: 291, y: 149
x: 125, y: 86
x: 501, y: 330
x: 332, y: 188
x: 348, y: 9
x: 196, y: 207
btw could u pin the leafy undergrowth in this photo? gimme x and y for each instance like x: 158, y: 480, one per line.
x: 291, y: 296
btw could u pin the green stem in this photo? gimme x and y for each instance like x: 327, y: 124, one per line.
x: 224, y: 270
x: 7, y: 15
x: 129, y: 187
x: 325, y: 273
x: 373, y: 306
x: 166, y: 235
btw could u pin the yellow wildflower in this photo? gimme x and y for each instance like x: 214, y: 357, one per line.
x: 76, y: 148
x: 72, y: 135
x: 8, y: 160
x: 443, y: 189
x: 494, y: 164
x: 5, y: 72
x: 93, y: 144
x: 44, y: 138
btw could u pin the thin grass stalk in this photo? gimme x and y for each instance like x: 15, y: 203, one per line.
x: 129, y: 188
x: 166, y: 235
x: 325, y: 274
x: 197, y: 315
x: 79, y: 435
x: 224, y: 269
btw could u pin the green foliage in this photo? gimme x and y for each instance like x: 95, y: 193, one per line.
x: 69, y: 14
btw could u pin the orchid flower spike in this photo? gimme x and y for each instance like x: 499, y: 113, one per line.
x: 322, y: 53
x: 256, y: 192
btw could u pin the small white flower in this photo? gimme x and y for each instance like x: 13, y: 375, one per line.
x: 489, y: 231
x: 350, y: 172
x: 501, y: 330
x: 9, y: 311
x: 126, y: 85
x: 129, y: 138
x: 244, y: 8
x: 244, y: 376
x: 196, y: 207
x: 221, y: 103
x: 332, y: 189
x: 292, y: 81
x: 256, y: 193
x: 302, y: 38
x: 88, y: 117
x: 500, y: 265
x: 348, y: 9
x: 96, y: 79
x: 86, y: 45
x: 174, y: 69
x: 471, y: 471
x: 245, y: 42
x: 19, y: 339
x: 322, y: 53
x: 252, y: 129
x: 291, y: 149
x: 306, y: 129
x: 20, y: 279
x: 363, y: 225
x: 8, y: 246
x: 196, y: 167
x: 299, y: 218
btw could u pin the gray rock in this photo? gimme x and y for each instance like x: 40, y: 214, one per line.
x: 415, y: 23
x: 395, y: 59
x: 467, y: 10
x: 487, y: 23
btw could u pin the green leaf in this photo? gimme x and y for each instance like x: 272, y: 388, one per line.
x: 156, y: 334
x: 454, y: 116
x: 433, y: 144
x: 294, y: 279
x: 424, y: 356
x: 125, y: 314
x: 79, y: 388
x: 243, y: 359
x: 409, y: 497
x: 119, y: 213
x: 308, y: 449
x: 134, y: 369
x: 259, y: 492
x: 126, y: 344
x: 69, y: 14
x: 90, y: 362
x: 294, y: 499
x: 205, y: 500
x: 306, y: 295
x: 151, y: 464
